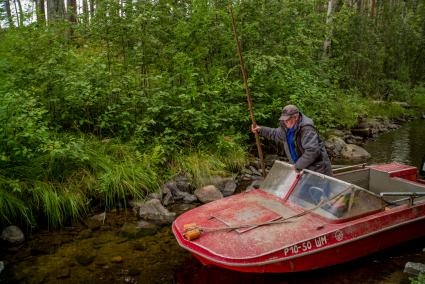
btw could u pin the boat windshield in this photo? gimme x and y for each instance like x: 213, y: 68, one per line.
x: 280, y: 179
x: 333, y: 198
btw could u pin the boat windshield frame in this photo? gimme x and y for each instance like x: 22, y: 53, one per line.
x: 332, y: 198
x: 280, y: 180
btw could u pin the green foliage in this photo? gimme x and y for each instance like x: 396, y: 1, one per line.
x: 420, y: 279
x: 202, y: 164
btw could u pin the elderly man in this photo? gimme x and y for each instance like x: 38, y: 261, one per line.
x: 302, y: 144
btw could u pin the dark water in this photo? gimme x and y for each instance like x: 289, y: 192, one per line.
x: 56, y: 257
x: 405, y: 145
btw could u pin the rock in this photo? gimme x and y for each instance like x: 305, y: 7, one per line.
x: 334, y: 146
x: 255, y: 184
x: 154, y: 195
x: 152, y: 210
x: 85, y: 234
x: 1, y: 266
x: 99, y: 217
x: 362, y: 132
x: 133, y: 271
x: 117, y: 259
x: 13, y: 235
x: 180, y: 195
x: 62, y: 273
x: 255, y: 171
x: 336, y: 132
x: 180, y: 208
x: 208, y: 193
x: 270, y: 159
x: 182, y: 183
x: 138, y: 230
x: 229, y: 188
x: 402, y: 104
x: 352, y: 139
x: 167, y: 196
x: 85, y: 259
x: 414, y: 268
x: 354, y: 152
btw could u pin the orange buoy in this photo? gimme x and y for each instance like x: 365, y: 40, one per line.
x: 192, y: 234
x: 191, y: 231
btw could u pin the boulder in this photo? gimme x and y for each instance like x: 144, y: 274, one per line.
x: 13, y: 235
x: 354, y: 152
x: 362, y: 132
x: 208, y: 193
x: 414, y: 268
x: 228, y: 188
x: 184, y: 196
x: 152, y: 210
x: 334, y: 146
x: 182, y: 183
x: 167, y: 196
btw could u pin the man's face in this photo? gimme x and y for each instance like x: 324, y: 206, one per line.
x: 290, y: 122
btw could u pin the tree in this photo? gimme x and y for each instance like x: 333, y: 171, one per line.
x: 72, y: 10
x: 8, y: 13
x: 40, y: 11
x: 55, y: 10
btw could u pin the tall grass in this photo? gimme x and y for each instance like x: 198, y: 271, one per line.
x: 58, y: 186
x: 225, y: 157
x: 77, y: 172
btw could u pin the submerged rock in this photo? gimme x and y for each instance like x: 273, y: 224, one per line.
x: 138, y: 230
x: 13, y: 235
x: 85, y: 259
x: 62, y: 273
x: 152, y: 210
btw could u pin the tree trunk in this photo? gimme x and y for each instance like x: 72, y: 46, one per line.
x: 372, y: 8
x: 9, y: 13
x: 329, y: 18
x: 72, y: 10
x: 91, y: 9
x: 86, y: 12
x: 40, y: 11
x: 21, y: 13
x: 55, y: 10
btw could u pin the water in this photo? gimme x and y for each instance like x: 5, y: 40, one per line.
x: 405, y: 145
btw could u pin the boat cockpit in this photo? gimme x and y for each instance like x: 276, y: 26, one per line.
x: 357, y: 192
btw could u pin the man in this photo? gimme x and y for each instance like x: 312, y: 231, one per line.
x: 302, y: 144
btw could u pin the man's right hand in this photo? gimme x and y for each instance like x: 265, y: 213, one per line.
x: 255, y: 129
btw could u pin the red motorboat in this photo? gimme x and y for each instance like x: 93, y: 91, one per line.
x: 299, y: 222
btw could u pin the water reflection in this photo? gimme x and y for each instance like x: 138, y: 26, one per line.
x: 405, y: 145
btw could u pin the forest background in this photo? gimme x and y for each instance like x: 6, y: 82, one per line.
x: 103, y: 101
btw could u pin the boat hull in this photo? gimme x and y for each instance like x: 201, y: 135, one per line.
x: 328, y: 256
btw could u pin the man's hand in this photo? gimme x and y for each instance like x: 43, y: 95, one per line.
x: 255, y: 129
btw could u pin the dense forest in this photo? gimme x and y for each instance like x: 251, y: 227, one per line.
x: 101, y: 101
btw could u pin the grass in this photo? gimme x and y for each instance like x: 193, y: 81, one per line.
x: 79, y: 173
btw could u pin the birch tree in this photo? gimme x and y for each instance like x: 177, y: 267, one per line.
x: 329, y: 16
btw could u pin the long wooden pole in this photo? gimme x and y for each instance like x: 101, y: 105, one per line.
x: 248, y: 96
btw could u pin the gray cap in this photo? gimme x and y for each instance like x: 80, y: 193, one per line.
x: 288, y: 111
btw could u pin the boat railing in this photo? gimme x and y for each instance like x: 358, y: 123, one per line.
x: 407, y: 196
